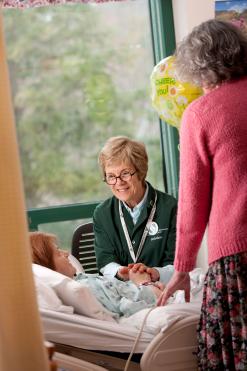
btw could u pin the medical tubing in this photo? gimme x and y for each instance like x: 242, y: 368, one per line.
x: 137, y: 339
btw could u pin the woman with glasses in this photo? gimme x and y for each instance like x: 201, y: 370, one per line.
x: 137, y: 225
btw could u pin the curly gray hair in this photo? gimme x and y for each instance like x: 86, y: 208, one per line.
x: 214, y: 52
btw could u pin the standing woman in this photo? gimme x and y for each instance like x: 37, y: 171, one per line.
x: 213, y: 190
x: 138, y: 223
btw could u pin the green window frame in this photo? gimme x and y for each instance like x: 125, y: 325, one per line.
x: 163, y: 34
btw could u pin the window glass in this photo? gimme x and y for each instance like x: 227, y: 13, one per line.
x: 79, y: 74
x: 63, y: 230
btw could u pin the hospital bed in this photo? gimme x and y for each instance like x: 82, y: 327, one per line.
x: 170, y: 349
x: 80, y: 327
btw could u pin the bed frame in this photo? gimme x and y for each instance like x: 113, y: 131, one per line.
x: 172, y: 350
x: 175, y: 349
x: 65, y: 362
x: 109, y: 362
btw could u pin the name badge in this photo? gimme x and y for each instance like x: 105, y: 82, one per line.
x: 153, y: 229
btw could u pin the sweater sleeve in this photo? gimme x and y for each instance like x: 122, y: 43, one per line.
x: 194, y: 190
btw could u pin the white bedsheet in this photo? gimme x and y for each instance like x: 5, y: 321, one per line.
x: 161, y: 318
x: 88, y: 333
x: 92, y: 334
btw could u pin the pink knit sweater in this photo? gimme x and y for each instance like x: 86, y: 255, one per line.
x: 213, y: 175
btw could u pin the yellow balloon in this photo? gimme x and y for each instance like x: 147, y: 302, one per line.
x: 169, y: 96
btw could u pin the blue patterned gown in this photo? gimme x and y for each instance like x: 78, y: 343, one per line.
x: 120, y: 298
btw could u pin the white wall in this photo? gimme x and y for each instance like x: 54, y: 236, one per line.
x: 189, y: 13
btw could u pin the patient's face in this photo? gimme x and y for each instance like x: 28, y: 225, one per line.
x: 62, y: 263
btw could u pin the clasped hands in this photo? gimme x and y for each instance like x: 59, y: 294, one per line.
x: 124, y: 272
x: 179, y: 281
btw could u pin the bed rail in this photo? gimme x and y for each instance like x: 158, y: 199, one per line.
x: 173, y: 350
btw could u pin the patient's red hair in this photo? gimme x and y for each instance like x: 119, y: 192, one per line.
x: 42, y: 248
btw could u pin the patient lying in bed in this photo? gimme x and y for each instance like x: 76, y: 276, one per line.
x: 122, y: 298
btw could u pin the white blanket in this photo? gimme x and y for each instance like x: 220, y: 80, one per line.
x: 160, y: 318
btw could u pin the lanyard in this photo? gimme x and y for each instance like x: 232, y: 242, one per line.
x: 145, y: 232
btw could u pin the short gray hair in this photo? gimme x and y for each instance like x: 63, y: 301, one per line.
x: 214, y: 52
x: 123, y: 149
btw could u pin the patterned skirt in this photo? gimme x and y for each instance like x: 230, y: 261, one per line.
x: 222, y: 330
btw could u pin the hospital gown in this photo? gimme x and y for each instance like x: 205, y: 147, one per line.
x: 121, y: 298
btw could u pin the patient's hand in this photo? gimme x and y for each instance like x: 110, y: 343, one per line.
x: 139, y: 277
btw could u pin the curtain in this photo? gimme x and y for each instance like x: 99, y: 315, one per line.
x: 33, y: 3
x: 21, y: 338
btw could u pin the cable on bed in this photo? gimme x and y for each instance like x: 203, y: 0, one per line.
x: 137, y: 339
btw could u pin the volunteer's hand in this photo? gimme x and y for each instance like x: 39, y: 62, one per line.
x: 179, y: 281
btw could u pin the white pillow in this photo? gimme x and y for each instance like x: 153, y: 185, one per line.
x: 73, y: 293
x: 75, y: 262
x: 48, y: 299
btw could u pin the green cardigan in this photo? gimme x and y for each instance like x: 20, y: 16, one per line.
x: 110, y: 242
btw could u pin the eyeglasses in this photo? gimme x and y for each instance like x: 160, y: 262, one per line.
x: 125, y: 175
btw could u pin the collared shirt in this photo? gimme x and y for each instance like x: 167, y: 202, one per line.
x: 136, y: 211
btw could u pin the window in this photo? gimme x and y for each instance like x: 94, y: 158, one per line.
x: 79, y: 74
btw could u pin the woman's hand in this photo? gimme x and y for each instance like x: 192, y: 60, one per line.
x: 140, y: 267
x: 179, y: 281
